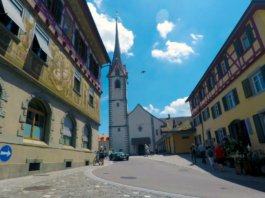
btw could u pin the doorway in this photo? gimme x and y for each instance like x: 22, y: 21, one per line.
x: 140, y: 149
x: 238, y: 131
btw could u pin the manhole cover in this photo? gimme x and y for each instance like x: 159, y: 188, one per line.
x: 35, y: 188
x: 127, y: 177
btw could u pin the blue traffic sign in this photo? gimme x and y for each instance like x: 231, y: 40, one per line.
x: 5, y: 153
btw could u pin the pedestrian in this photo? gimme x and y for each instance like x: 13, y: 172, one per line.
x: 146, y: 150
x: 219, y: 154
x: 210, y: 155
x: 202, y: 151
x: 193, y: 153
x: 101, y: 155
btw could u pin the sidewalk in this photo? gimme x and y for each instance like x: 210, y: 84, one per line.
x: 184, y: 160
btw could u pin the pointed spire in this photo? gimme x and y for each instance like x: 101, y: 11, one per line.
x: 117, y: 52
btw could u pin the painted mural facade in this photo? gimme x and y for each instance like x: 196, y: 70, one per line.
x: 50, y: 85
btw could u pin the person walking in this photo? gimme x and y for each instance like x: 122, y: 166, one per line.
x: 219, y: 154
x: 146, y: 150
x: 101, y: 155
x: 210, y: 156
x: 193, y: 153
x: 202, y: 151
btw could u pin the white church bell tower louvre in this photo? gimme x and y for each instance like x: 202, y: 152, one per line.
x: 118, y: 119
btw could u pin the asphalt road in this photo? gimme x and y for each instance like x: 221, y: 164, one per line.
x: 161, y: 176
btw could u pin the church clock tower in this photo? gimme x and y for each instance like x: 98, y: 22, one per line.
x: 118, y: 119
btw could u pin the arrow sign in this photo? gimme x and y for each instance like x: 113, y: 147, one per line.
x: 5, y: 153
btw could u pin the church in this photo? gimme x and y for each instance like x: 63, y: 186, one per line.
x: 128, y: 132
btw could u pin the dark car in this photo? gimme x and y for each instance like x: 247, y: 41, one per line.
x: 118, y: 156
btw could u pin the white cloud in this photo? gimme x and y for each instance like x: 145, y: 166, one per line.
x: 175, y: 52
x: 151, y: 109
x: 177, y: 108
x: 164, y: 28
x: 106, y: 27
x: 196, y: 38
x: 98, y: 3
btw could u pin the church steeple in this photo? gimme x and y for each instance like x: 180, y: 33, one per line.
x: 117, y: 64
x: 117, y: 51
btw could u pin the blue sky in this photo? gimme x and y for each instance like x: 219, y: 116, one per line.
x: 174, y: 41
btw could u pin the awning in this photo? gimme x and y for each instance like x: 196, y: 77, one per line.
x: 14, y: 13
x: 144, y: 140
x: 43, y: 41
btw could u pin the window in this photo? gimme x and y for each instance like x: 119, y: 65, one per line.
x: 220, y: 134
x: 80, y: 46
x: 11, y: 15
x: 55, y: 8
x: 197, y: 120
x: 117, y: 104
x: 140, y: 128
x: 255, y: 84
x: 230, y: 100
x: 87, y: 137
x: 202, y: 93
x: 35, y: 121
x: 216, y: 110
x: 117, y: 84
x: 209, y: 135
x: 245, y: 41
x: 68, y: 131
x: 91, y: 97
x: 206, y: 114
x: 77, y: 82
x: 210, y: 82
x: 40, y: 44
x: 94, y: 68
x: 68, y: 25
x: 222, y: 68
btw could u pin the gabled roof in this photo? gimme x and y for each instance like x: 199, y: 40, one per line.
x: 177, y: 124
x: 138, y: 106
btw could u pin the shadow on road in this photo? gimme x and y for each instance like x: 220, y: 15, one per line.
x: 229, y: 174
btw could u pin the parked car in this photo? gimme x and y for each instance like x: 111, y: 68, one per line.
x: 118, y: 156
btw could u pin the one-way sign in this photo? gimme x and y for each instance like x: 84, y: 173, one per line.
x: 5, y: 153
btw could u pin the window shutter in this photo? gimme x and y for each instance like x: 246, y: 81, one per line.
x: 250, y: 34
x: 246, y: 87
x: 219, y: 71
x: 225, y: 103
x: 219, y: 107
x: 226, y: 63
x: 208, y: 113
x: 259, y: 130
x: 213, y: 113
x: 238, y: 47
x: 235, y: 96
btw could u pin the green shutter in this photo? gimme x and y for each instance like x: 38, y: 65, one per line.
x: 246, y: 87
x: 259, y: 130
x: 213, y: 114
x: 236, y: 96
x: 225, y: 103
x: 238, y: 47
x: 219, y: 107
x: 250, y: 34
x: 226, y: 63
x: 219, y: 71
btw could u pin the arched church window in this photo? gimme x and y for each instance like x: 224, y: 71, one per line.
x: 35, y: 121
x: 87, y: 137
x: 68, y: 131
x: 117, y: 83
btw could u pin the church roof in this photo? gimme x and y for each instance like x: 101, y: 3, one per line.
x: 117, y: 64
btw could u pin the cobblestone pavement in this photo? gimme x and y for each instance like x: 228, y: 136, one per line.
x: 76, y: 182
